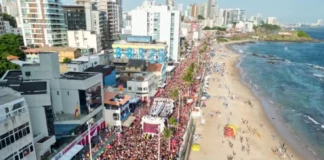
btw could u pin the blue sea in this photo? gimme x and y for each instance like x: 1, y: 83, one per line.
x: 289, y: 80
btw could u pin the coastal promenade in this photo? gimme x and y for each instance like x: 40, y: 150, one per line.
x: 233, y: 102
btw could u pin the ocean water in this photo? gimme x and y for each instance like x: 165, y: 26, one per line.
x: 290, y: 78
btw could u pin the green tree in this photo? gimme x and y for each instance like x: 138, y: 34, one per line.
x: 175, y: 94
x: 10, y: 45
x: 172, y: 121
x: 11, y: 19
x: 201, y: 17
x: 67, y: 60
x: 207, y: 28
x: 302, y: 34
x: 167, y: 134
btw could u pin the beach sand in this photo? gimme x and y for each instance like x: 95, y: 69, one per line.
x: 213, y: 144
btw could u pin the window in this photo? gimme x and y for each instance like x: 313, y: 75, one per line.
x: 27, y: 74
x: 57, y: 92
x: 129, y: 88
x: 68, y: 93
x: 116, y: 116
x: 139, y: 88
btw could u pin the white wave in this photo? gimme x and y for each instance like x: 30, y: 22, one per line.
x: 316, y: 66
x: 322, y: 126
x: 240, y: 51
x: 256, y: 86
x: 319, y: 75
x: 310, y: 118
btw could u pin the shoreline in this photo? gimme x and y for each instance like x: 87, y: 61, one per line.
x: 270, y: 137
x: 297, y: 143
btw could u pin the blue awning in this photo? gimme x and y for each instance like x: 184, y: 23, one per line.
x: 134, y: 100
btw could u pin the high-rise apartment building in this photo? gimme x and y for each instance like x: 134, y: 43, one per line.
x: 113, y: 9
x: 320, y: 22
x: 74, y: 16
x: 194, y: 11
x: 10, y: 7
x: 87, y: 17
x: 203, y: 10
x: 42, y: 22
x: 230, y: 16
x: 272, y: 20
x: 211, y: 9
x: 169, y: 3
x: 159, y: 21
x: 16, y: 134
x: 180, y: 7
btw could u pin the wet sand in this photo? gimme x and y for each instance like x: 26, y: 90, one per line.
x: 261, y: 134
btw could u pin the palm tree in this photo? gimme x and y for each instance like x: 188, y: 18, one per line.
x: 172, y: 121
x: 167, y: 134
x: 175, y: 94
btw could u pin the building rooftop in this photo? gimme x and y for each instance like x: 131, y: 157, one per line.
x: 77, y: 75
x: 7, y: 95
x: 163, y: 44
x: 49, y: 49
x: 33, y: 87
x: 143, y: 76
x: 154, y: 67
x: 136, y: 63
x: 105, y: 70
x: 84, y: 58
x: 115, y: 99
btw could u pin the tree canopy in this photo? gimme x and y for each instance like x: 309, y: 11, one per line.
x: 10, y: 45
x: 302, y: 34
x: 67, y: 60
x: 11, y: 19
x: 201, y: 17
x: 214, y: 28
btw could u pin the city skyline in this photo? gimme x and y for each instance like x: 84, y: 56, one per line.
x: 253, y: 7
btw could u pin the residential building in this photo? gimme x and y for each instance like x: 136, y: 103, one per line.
x: 16, y: 31
x: 180, y: 7
x: 7, y: 27
x: 81, y: 2
x: 154, y: 20
x: 10, y: 7
x: 203, y: 10
x: 117, y: 111
x: 42, y: 23
x: 74, y: 16
x: 127, y: 24
x: 141, y: 47
x: 320, y: 22
x: 32, y: 54
x: 272, y: 20
x: 211, y: 9
x: 230, y: 16
x: 82, y: 63
x: 113, y: 10
x: 108, y: 73
x: 169, y: 3
x: 142, y: 85
x: 84, y: 40
x: 16, y: 135
x: 194, y: 10
x: 2, y: 25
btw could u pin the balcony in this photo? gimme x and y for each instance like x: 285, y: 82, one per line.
x: 43, y: 143
x: 66, y: 118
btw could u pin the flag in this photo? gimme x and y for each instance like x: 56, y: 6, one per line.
x: 76, y: 112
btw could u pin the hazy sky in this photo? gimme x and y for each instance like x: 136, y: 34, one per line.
x: 285, y: 10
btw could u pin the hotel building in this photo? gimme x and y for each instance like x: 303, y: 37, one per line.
x: 42, y: 23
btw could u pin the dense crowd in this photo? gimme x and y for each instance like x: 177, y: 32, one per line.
x: 132, y: 144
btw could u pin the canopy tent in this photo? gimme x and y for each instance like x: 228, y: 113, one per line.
x: 195, y: 147
x: 230, y: 130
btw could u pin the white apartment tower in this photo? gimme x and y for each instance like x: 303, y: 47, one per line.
x: 2, y: 25
x: 16, y: 137
x: 160, y: 22
x: 42, y: 22
x: 113, y: 9
x: 211, y: 9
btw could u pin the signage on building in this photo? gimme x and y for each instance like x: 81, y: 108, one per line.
x: 79, y: 139
x: 139, y: 39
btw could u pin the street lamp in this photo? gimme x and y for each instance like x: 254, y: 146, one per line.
x: 89, y: 136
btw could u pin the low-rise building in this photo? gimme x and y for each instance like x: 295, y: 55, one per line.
x: 159, y: 70
x: 84, y: 39
x: 7, y: 27
x: 143, y: 85
x: 135, y: 66
x: 82, y: 63
x: 141, y: 47
x: 117, y: 111
x: 16, y: 135
x: 32, y: 54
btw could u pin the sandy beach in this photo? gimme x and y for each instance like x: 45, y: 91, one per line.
x: 256, y: 137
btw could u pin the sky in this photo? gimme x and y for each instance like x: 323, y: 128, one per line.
x: 287, y: 11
